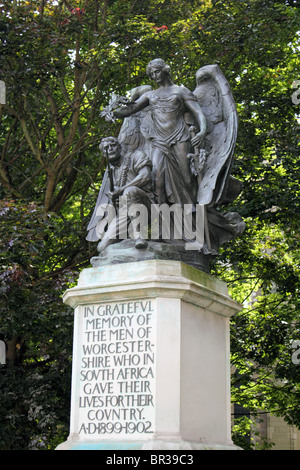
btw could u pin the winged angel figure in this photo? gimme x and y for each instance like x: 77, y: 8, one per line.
x: 190, y: 138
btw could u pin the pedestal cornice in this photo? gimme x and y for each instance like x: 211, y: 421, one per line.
x: 151, y: 279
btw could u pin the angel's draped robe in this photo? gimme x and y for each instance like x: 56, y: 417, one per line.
x: 170, y: 142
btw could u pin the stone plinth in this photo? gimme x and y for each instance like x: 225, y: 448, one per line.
x: 151, y: 366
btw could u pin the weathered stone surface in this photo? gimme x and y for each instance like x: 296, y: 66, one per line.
x: 151, y: 360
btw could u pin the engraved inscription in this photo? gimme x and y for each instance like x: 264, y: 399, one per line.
x: 117, y: 370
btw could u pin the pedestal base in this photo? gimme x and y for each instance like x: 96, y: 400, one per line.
x: 125, y: 252
x: 151, y: 365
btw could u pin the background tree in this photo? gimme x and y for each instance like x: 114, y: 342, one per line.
x: 60, y: 61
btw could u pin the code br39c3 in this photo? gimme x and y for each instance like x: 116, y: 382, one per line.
x: 167, y: 459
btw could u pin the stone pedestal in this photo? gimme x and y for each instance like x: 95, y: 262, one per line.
x: 151, y: 366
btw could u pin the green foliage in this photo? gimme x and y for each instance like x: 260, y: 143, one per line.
x: 246, y: 435
x: 262, y: 272
x: 60, y: 62
x: 35, y: 324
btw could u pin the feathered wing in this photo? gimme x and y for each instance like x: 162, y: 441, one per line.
x: 133, y: 134
x: 215, y: 98
x: 130, y: 136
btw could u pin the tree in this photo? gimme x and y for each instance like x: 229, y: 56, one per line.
x: 262, y: 268
x: 36, y: 326
x: 61, y: 61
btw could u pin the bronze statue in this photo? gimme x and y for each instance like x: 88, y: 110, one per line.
x: 128, y: 178
x: 189, y: 139
x: 168, y: 134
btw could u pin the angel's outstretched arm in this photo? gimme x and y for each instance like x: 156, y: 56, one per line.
x: 132, y: 108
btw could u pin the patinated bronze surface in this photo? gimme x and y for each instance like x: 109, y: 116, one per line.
x: 179, y: 146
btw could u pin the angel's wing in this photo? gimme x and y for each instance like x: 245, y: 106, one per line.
x: 217, y: 103
x: 132, y: 134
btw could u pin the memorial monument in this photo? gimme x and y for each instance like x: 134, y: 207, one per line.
x: 151, y: 359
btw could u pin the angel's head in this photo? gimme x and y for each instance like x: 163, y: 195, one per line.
x: 157, y: 68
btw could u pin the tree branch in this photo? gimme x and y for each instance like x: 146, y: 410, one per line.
x: 57, y: 122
